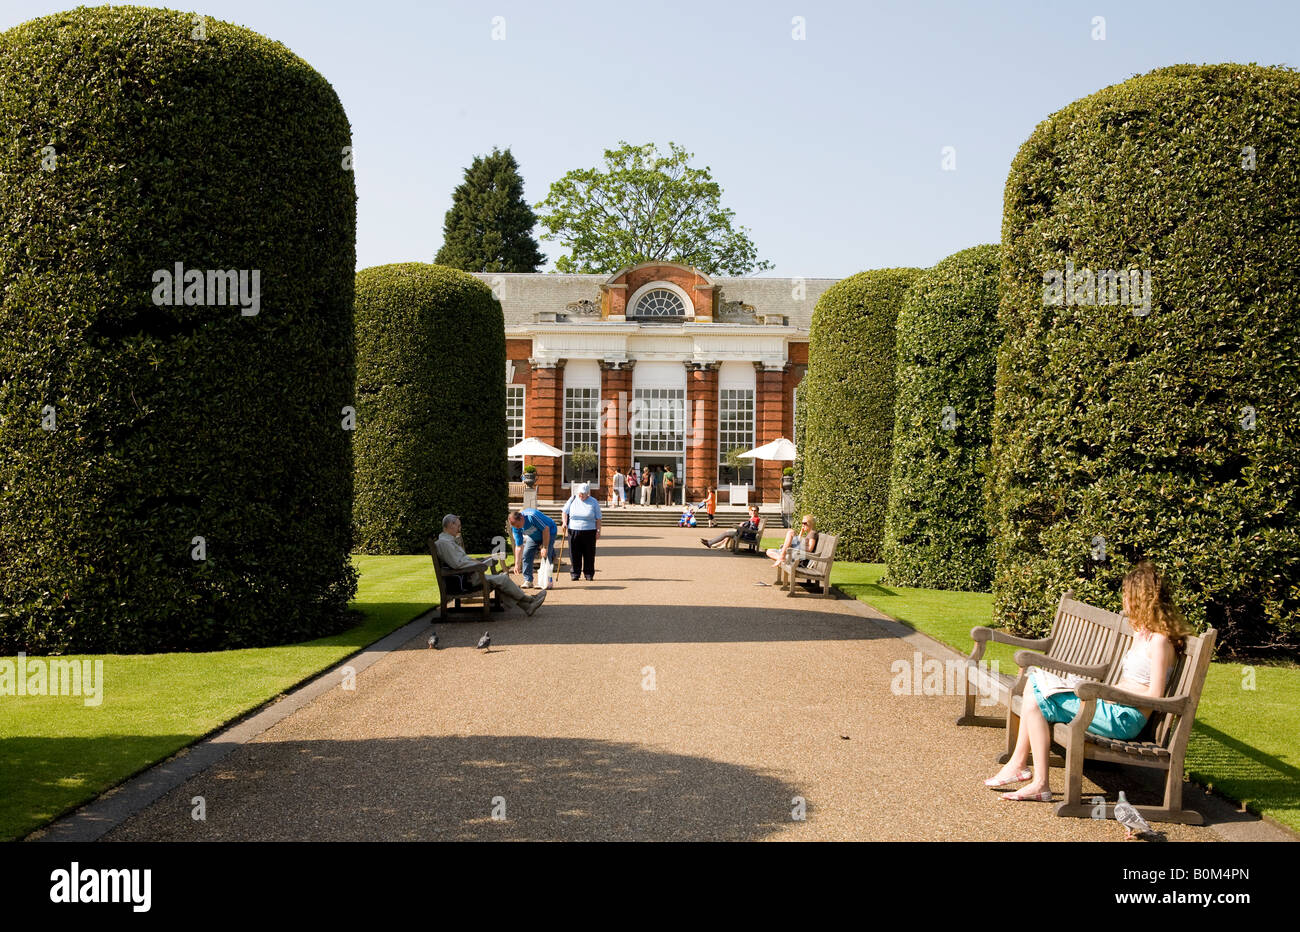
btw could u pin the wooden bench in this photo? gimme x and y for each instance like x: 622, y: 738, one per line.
x: 454, y: 585
x: 1162, y: 744
x: 818, y: 569
x: 1084, y: 640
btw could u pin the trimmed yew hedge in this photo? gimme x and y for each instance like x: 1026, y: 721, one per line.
x: 936, y: 533
x: 1133, y: 431
x: 431, y: 401
x: 127, y: 146
x: 848, y: 398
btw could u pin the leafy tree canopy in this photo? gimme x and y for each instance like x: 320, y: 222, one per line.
x: 645, y: 207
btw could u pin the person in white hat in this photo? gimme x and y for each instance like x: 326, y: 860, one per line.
x: 582, y: 524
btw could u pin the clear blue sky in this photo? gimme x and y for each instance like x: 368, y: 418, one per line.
x: 828, y: 149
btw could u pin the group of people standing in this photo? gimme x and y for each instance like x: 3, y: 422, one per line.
x: 654, y: 485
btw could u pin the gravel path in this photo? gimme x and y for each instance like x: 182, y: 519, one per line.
x: 756, y: 699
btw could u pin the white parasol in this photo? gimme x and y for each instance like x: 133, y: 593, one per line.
x: 531, y: 446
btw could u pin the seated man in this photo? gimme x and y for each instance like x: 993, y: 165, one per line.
x: 744, y: 532
x: 453, y: 557
x: 532, y: 530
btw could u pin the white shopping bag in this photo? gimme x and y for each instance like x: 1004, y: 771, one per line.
x: 544, y: 575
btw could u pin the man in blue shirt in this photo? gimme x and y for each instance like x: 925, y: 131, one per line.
x: 531, y: 530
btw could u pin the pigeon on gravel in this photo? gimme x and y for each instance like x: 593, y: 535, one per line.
x: 433, y: 641
x: 485, y: 641
x: 1127, y: 816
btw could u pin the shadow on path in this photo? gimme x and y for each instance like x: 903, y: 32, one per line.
x: 445, y: 788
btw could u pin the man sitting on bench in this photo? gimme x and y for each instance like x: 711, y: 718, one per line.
x: 745, y: 532
x: 453, y: 557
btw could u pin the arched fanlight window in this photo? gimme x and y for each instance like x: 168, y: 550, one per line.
x: 660, y: 302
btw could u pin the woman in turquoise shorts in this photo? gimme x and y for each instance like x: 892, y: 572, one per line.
x: 1160, y: 634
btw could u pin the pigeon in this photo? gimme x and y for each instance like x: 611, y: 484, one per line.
x: 433, y: 641
x: 1130, y: 818
x: 485, y: 641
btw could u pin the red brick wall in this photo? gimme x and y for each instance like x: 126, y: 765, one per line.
x: 545, y: 421
x: 702, y: 426
x: 770, y: 405
x: 684, y: 278
x: 793, y: 376
x: 615, y: 441
x: 519, y: 348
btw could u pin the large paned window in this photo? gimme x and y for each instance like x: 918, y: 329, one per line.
x: 658, y: 421
x: 515, y: 427
x: 581, y: 433
x: 735, y: 432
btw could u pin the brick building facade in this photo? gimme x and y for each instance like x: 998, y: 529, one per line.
x: 659, y: 366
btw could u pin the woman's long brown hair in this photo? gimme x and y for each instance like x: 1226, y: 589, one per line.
x: 1151, y: 606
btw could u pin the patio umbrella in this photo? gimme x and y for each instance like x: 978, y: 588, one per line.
x: 779, y: 449
x: 531, y: 446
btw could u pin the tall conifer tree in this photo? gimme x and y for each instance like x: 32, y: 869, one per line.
x: 489, y: 227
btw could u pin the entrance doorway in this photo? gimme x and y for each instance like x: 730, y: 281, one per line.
x: 660, y: 462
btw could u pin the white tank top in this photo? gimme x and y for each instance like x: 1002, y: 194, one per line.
x: 1136, y: 665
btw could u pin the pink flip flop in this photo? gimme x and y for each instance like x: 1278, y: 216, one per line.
x: 1021, y: 777
x: 1018, y: 797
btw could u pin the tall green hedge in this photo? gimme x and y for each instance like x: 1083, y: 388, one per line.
x: 936, y: 534
x: 848, y: 396
x: 1170, y: 434
x: 127, y: 146
x: 431, y: 401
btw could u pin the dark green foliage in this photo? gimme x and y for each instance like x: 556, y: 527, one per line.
x: 489, y: 226
x: 847, y: 419
x: 431, y: 401
x: 172, y: 422
x: 936, y: 535
x: 1129, y: 427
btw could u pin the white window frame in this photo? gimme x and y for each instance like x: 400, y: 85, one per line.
x: 571, y: 442
x: 724, y: 444
x: 635, y: 299
x: 523, y: 419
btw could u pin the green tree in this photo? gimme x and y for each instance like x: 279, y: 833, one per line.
x: 645, y: 207
x: 489, y: 227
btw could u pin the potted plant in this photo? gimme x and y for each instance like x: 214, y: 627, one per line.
x: 735, y: 462
x: 787, y: 479
x: 583, y: 461
x: 530, y: 476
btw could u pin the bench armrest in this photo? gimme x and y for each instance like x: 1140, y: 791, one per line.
x: 1174, y: 704
x: 1029, y: 658
x: 984, y: 633
x: 466, y: 570
x: 820, y: 561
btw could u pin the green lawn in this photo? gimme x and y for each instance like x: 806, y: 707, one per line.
x: 56, y: 752
x: 1245, y: 741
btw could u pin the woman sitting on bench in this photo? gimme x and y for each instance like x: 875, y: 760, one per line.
x: 1160, y: 634
x: 802, y: 546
